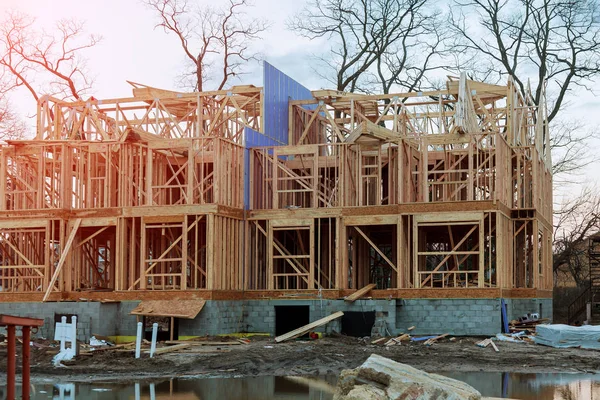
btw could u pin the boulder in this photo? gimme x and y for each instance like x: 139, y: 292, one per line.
x: 380, y: 378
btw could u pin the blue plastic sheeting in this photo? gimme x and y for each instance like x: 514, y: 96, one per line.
x: 420, y: 339
x: 252, y: 139
x: 278, y: 90
x: 557, y: 335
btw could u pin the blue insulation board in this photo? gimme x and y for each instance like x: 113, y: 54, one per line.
x: 278, y: 90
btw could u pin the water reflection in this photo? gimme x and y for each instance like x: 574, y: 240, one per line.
x: 522, y: 386
x: 511, y: 385
x: 250, y: 388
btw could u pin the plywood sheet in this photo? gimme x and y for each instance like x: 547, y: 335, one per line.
x: 170, y: 308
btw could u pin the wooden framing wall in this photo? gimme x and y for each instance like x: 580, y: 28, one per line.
x: 445, y: 193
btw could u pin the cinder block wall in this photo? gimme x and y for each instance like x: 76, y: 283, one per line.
x: 92, y: 317
x: 454, y: 316
x: 429, y: 316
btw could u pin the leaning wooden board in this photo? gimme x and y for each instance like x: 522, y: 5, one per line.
x: 306, y: 328
x: 360, y: 293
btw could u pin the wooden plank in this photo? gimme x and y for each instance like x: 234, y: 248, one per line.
x: 360, y: 293
x: 494, y: 346
x: 194, y: 342
x: 306, y: 328
x: 170, y: 349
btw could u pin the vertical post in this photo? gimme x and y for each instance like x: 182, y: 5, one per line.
x: 153, y: 344
x: 63, y: 333
x: 172, y: 328
x: 10, y: 364
x: 588, y: 313
x: 25, y: 369
x: 74, y: 334
x: 138, y: 341
x: 137, y: 391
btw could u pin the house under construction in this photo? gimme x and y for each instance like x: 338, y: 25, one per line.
x: 271, y: 204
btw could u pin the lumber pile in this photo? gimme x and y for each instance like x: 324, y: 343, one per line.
x: 525, y: 326
x: 406, y: 337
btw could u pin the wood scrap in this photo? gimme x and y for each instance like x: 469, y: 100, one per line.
x: 410, y: 328
x: 198, y: 343
x: 398, y: 340
x: 195, y: 350
x: 170, y: 349
x: 360, y: 293
x: 379, y: 340
x: 494, y: 346
x: 106, y: 348
x: 307, y: 328
x: 430, y: 342
x: 484, y: 343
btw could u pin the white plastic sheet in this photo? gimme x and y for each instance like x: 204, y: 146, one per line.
x: 563, y: 336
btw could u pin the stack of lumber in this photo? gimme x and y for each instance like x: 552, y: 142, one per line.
x: 528, y: 326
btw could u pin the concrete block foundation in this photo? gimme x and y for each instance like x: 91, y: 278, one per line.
x: 477, y: 317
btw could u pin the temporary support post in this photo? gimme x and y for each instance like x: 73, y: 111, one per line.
x: 154, y: 335
x: 138, y: 340
x: 11, y: 322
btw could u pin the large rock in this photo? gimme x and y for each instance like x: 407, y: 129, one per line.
x: 380, y: 378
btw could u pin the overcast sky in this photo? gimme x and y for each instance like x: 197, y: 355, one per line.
x: 132, y: 49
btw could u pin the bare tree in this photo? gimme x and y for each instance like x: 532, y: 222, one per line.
x: 557, y: 41
x: 575, y: 222
x: 570, y: 148
x: 374, y: 42
x: 42, y: 62
x: 11, y: 126
x: 211, y: 36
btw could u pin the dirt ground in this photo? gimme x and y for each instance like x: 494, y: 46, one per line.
x: 330, y: 355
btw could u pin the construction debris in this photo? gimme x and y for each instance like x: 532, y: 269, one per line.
x: 526, y: 324
x: 431, y: 341
x: 379, y: 340
x: 398, y: 340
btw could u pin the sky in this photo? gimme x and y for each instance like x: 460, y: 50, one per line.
x: 132, y: 49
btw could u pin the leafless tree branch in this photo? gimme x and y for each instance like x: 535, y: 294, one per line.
x: 210, y: 36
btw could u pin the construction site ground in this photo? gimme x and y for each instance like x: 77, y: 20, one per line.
x: 325, y: 356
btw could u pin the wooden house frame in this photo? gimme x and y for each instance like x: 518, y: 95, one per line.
x: 443, y: 194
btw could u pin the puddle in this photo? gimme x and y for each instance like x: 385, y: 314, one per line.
x: 493, y: 384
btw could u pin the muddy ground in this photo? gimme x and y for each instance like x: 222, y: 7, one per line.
x: 262, y: 356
